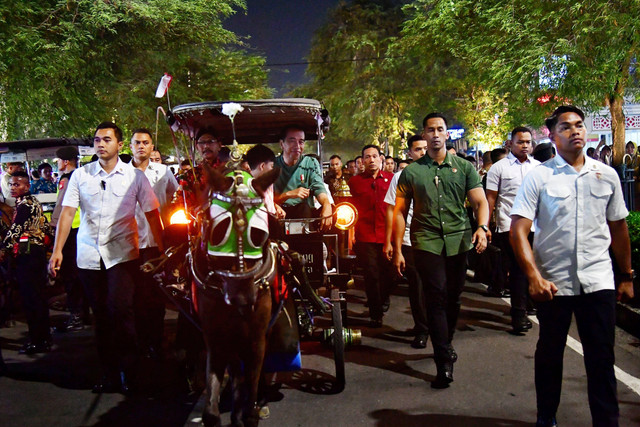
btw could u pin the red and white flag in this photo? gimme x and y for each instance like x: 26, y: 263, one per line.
x: 163, y: 86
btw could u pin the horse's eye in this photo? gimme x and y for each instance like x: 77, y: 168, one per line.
x: 257, y: 237
x: 220, y: 231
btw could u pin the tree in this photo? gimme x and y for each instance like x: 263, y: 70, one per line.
x: 66, y: 65
x: 378, y: 82
x: 358, y: 77
x: 528, y: 50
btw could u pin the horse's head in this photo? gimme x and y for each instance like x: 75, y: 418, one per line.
x: 235, y: 231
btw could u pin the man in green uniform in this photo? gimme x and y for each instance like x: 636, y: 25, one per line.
x: 441, y: 233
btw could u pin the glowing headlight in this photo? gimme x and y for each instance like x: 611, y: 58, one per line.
x: 346, y: 216
x: 179, y: 217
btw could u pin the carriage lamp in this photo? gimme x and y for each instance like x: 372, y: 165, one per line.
x: 346, y: 216
x: 179, y: 217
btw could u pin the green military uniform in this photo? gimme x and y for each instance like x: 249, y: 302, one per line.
x: 440, y: 220
x: 441, y: 236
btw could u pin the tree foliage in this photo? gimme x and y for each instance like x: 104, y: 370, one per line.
x: 358, y: 76
x: 66, y: 65
x: 378, y: 81
x: 577, y: 52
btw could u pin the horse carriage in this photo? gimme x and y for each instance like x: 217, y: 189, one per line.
x: 238, y: 279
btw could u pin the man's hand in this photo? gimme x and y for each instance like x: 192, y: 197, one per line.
x: 387, y: 250
x: 280, y: 213
x: 624, y: 291
x: 480, y: 240
x: 398, y: 262
x: 326, y: 213
x: 541, y: 289
x: 298, y: 193
x: 54, y: 263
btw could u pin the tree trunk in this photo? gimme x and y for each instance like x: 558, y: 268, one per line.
x: 616, y: 102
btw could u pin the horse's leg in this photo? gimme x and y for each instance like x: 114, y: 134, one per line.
x: 253, y: 370
x: 255, y: 360
x: 239, y: 391
x: 215, y: 376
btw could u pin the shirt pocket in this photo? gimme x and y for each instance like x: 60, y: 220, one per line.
x: 90, y: 191
x: 560, y: 199
x: 601, y: 193
x: 124, y: 195
x: 509, y: 184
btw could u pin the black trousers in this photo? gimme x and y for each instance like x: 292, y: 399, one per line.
x: 76, y: 300
x: 149, y: 304
x: 417, y: 294
x: 518, y: 283
x: 443, y: 278
x: 110, y: 293
x: 378, y: 275
x: 31, y: 275
x: 595, y: 318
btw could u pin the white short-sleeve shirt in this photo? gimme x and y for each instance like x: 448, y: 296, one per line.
x: 164, y: 186
x: 505, y: 177
x: 571, y: 210
x: 390, y: 199
x: 108, y: 228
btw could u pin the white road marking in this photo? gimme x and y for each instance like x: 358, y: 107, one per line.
x: 627, y: 379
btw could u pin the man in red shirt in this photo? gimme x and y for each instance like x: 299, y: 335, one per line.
x: 368, y: 190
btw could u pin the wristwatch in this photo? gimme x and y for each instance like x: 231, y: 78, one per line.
x: 626, y: 276
x: 484, y: 227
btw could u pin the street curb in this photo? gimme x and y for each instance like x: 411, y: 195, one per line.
x: 628, y: 318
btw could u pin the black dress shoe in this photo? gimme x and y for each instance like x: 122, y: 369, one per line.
x: 385, y: 306
x: 546, y: 422
x: 453, y: 356
x: 420, y: 341
x: 375, y: 323
x: 33, y: 348
x: 444, y: 376
x: 495, y: 292
x: 521, y: 325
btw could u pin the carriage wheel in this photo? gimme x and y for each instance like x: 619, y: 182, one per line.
x: 338, y: 337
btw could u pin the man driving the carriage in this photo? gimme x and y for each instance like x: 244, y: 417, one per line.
x: 300, y: 180
x: 194, y: 179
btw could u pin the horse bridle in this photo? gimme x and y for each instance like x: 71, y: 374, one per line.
x: 240, y: 203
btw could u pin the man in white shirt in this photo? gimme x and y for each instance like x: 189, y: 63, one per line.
x: 417, y: 299
x: 107, y: 191
x: 149, y: 301
x: 579, y: 211
x: 503, y: 180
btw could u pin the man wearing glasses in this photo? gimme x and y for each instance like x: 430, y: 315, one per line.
x: 194, y: 179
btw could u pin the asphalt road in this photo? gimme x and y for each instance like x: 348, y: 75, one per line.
x: 388, y: 382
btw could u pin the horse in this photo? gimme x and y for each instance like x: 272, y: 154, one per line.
x: 233, y: 268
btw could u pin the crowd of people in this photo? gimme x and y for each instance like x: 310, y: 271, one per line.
x: 553, y: 215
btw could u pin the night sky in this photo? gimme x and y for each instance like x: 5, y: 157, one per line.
x: 282, y: 30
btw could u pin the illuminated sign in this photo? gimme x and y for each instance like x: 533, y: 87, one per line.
x: 455, y: 133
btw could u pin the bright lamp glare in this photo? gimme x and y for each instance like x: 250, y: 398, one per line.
x: 179, y: 217
x: 346, y: 216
